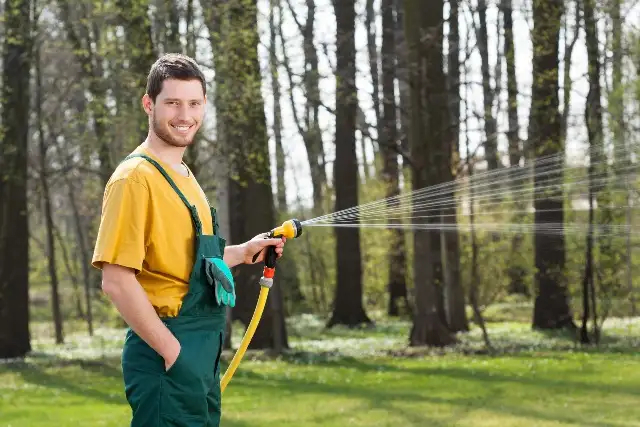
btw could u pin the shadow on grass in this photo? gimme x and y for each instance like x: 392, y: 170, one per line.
x: 384, y: 399
x: 480, y: 375
x: 48, y: 375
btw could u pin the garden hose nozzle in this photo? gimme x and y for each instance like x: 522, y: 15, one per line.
x: 290, y: 229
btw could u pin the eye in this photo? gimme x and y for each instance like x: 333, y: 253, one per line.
x: 195, y: 103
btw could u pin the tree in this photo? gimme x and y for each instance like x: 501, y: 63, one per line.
x: 597, y: 166
x: 348, y: 308
x: 243, y: 135
x: 14, y: 228
x: 309, y: 126
x: 551, y: 309
x: 429, y: 102
x: 453, y: 289
x: 134, y: 18
x: 389, y: 147
x: 490, y: 122
x: 86, y: 40
x: 46, y: 201
x: 517, y: 271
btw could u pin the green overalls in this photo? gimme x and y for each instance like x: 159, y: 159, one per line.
x: 188, y: 394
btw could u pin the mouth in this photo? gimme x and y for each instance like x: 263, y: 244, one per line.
x: 183, y: 129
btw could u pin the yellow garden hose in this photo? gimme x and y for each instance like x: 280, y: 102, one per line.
x: 289, y: 229
x: 248, y: 335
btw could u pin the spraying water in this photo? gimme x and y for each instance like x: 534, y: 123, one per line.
x: 502, y: 199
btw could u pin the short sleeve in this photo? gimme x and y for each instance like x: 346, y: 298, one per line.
x: 123, y: 230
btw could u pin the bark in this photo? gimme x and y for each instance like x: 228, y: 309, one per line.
x: 370, y: 16
x: 402, y: 77
x: 281, y: 191
x: 348, y: 306
x: 289, y: 274
x: 490, y: 122
x: 618, y: 126
x: 597, y: 161
x: 567, y: 82
x: 240, y: 111
x: 616, y: 98
x: 551, y: 309
x: 48, y: 211
x: 429, y: 99
x: 397, y: 284
x: 517, y: 272
x: 14, y: 228
x: 190, y: 47
x: 192, y: 155
x: 453, y: 291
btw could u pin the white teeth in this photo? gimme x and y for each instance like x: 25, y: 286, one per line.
x: 182, y: 128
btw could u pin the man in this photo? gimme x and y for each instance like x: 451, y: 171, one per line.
x: 164, y: 265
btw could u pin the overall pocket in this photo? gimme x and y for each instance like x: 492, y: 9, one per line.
x: 184, y: 395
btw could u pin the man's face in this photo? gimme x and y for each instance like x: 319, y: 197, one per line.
x: 178, y: 111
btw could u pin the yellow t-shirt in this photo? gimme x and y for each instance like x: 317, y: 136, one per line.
x: 146, y: 226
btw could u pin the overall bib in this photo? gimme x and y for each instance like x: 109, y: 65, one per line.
x: 188, y: 394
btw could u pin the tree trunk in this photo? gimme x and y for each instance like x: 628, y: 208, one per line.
x: 551, y: 309
x: 309, y: 126
x: 190, y: 46
x: 48, y: 211
x: 403, y: 77
x: 84, y: 255
x: 490, y: 123
x: 428, y: 127
x: 240, y: 110
x: 397, y: 284
x: 281, y: 192
x: 370, y: 25
x: 597, y: 161
x: 348, y: 307
x: 14, y: 229
x: 453, y: 291
x: 288, y: 269
x: 619, y: 128
x: 517, y: 272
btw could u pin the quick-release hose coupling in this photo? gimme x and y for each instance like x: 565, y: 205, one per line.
x: 266, y: 282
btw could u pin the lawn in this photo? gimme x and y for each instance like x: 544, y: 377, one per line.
x: 345, y: 377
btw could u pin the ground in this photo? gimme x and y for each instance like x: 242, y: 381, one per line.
x: 357, y: 378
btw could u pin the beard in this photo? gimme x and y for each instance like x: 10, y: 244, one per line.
x: 164, y: 134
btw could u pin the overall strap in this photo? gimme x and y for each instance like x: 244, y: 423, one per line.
x: 192, y: 208
x: 214, y: 218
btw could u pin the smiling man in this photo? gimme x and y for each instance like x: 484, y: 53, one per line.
x: 164, y: 265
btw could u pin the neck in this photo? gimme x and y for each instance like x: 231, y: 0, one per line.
x: 167, y: 153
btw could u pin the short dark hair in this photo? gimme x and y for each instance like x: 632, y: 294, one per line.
x: 173, y: 66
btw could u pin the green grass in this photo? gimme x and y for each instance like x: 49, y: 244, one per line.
x: 357, y: 378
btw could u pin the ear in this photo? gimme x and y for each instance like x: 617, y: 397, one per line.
x: 147, y: 103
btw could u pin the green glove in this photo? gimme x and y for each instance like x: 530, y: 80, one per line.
x: 220, y: 277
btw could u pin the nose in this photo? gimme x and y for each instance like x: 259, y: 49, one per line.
x: 183, y: 112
